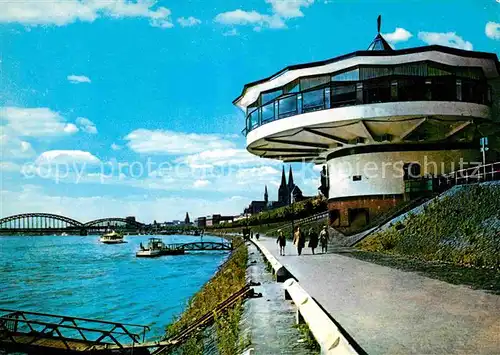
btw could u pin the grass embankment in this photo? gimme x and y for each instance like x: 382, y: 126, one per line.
x: 230, y: 278
x: 455, y: 238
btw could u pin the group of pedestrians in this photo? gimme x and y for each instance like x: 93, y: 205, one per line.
x: 299, y: 240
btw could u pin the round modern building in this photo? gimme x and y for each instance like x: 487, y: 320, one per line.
x: 376, y: 119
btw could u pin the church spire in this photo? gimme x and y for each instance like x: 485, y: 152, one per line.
x: 266, y: 195
x: 291, y: 184
x: 283, y: 178
x: 187, y: 219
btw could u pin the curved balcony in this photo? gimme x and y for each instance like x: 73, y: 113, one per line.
x: 380, y: 90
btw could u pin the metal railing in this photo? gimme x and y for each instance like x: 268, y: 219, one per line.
x: 66, y: 328
x: 482, y: 173
x: 199, y: 246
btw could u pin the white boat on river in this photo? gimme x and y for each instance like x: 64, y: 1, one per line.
x: 112, y: 238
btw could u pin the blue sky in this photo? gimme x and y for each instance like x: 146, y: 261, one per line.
x: 91, y: 84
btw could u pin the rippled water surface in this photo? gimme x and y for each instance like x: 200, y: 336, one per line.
x: 78, y: 276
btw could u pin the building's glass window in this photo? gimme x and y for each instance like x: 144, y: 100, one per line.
x: 413, y: 69
x: 252, y: 107
x: 443, y: 89
x: 271, y: 95
x: 394, y: 90
x: 308, y: 83
x: 411, y: 171
x: 327, y: 98
x: 470, y: 73
x: 375, y: 92
x: 253, y: 119
x: 343, y: 95
x: 435, y: 71
x: 473, y: 91
x: 352, y: 75
x: 313, y: 100
x: 268, y: 112
x: 292, y: 87
x: 412, y: 89
x: 359, y: 93
x: 287, y: 106
x: 459, y: 90
x: 373, y: 72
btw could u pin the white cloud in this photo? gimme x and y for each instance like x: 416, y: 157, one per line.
x: 116, y: 147
x: 241, y: 17
x: 77, y: 79
x: 201, y: 183
x: 66, y: 157
x: 70, y: 128
x: 281, y: 11
x: 35, y: 122
x: 289, y: 8
x: 12, y: 147
x: 188, y: 22
x: 169, y: 142
x: 64, y: 12
x: 399, y: 35
x: 449, y: 39
x: 492, y: 30
x: 9, y: 167
x: 86, y: 125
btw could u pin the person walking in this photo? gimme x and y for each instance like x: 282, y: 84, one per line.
x: 323, y: 239
x: 299, y: 240
x: 281, y: 241
x: 313, y: 239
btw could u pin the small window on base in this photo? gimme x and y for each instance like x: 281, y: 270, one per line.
x: 356, y: 178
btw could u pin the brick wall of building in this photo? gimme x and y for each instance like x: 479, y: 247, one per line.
x: 358, y: 212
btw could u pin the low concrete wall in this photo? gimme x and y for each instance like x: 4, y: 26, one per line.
x: 281, y: 273
x: 324, y: 330
x: 321, y: 326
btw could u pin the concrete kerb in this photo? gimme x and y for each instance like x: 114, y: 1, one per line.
x: 279, y: 270
x: 326, y: 333
x: 324, y: 330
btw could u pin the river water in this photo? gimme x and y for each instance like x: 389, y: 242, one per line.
x: 78, y: 276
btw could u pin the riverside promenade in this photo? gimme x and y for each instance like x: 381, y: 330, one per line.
x: 388, y: 311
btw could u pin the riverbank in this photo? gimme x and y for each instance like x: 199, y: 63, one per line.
x: 230, y: 278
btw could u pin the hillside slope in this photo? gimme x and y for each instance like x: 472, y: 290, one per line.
x: 462, y: 227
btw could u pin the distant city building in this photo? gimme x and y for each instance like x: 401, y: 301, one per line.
x: 379, y: 119
x: 187, y: 221
x: 201, y: 222
x: 217, y: 219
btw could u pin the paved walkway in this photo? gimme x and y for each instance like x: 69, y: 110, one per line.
x: 388, y: 311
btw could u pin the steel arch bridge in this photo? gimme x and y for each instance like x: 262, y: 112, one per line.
x: 113, y: 221
x: 38, y: 221
x: 47, y: 222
